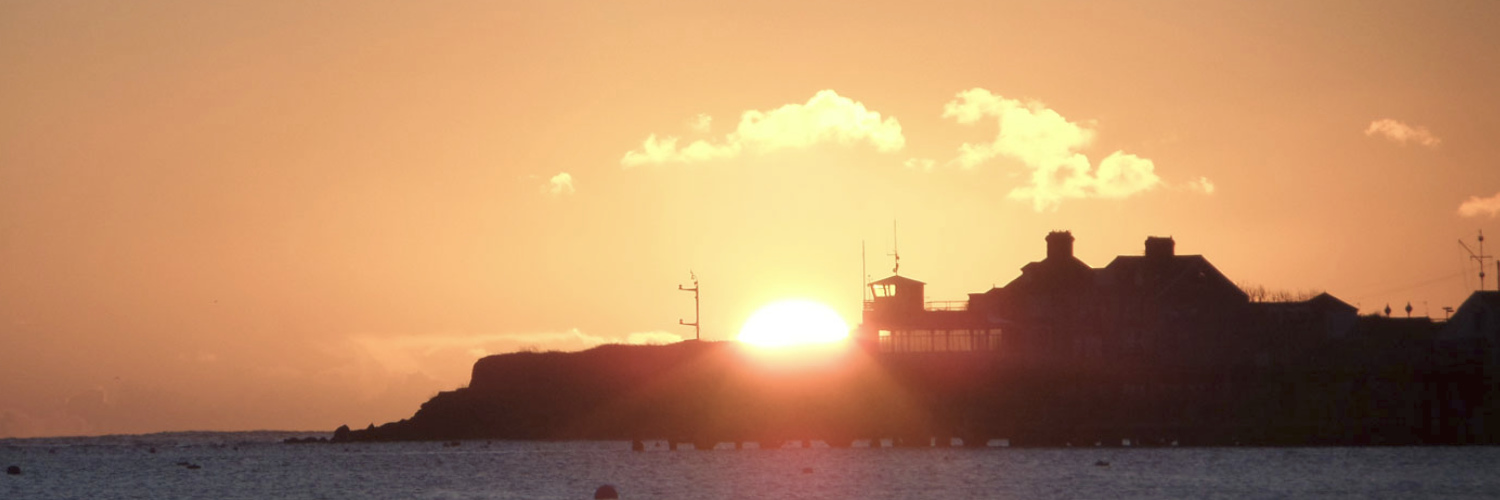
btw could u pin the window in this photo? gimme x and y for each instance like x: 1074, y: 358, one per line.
x: 921, y: 341
x: 960, y: 341
x: 884, y: 290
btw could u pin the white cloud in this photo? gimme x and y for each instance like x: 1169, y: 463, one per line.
x: 1049, y: 145
x: 923, y: 164
x: 652, y: 338
x: 1477, y: 206
x: 665, y: 150
x: 701, y: 123
x: 402, y: 353
x: 1201, y: 185
x: 826, y: 117
x: 1402, y: 133
x: 560, y: 184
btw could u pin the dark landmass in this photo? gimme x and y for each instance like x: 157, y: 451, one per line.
x: 1158, y: 348
x: 1383, y: 386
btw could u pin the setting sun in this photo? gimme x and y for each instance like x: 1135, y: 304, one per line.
x: 793, y: 322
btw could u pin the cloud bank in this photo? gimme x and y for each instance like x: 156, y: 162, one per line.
x: 1476, y: 206
x: 826, y: 118
x: 1401, y: 133
x: 1049, y: 146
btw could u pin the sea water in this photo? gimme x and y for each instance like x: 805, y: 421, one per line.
x: 258, y: 465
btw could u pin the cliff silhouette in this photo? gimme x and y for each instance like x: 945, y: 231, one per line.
x: 1375, y: 389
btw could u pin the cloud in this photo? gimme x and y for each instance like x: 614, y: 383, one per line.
x: 1402, y: 133
x: 410, y: 353
x: 560, y: 184
x: 923, y: 164
x: 701, y: 123
x: 652, y: 338
x: 826, y: 117
x: 1049, y: 145
x: 1201, y: 185
x: 1477, y: 206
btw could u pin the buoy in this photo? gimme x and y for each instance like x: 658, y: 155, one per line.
x: 606, y: 492
x: 637, y: 445
x: 194, y: 466
x: 14, y: 470
x: 1101, y: 463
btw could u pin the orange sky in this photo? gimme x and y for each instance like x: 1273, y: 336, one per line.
x: 293, y: 215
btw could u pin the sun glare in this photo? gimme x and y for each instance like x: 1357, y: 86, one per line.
x: 793, y: 322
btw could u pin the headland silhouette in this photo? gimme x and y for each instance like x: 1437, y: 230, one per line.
x: 1152, y: 349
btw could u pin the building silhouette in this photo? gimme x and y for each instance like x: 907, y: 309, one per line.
x: 1159, y: 307
x: 1155, y: 349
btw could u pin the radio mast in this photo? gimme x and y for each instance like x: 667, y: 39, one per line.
x: 895, y: 249
x: 1480, y: 258
x: 697, y: 332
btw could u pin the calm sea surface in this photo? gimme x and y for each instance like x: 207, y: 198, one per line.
x: 257, y: 465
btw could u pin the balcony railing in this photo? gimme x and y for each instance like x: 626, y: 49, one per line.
x: 947, y: 305
x: 933, y: 305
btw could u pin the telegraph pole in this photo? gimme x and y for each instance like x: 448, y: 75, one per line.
x: 697, y: 332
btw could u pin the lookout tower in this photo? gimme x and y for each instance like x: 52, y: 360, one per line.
x: 895, y: 295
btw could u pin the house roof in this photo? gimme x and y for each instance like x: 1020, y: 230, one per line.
x: 1052, y: 271
x: 897, y: 280
x: 1490, y: 298
x: 1326, y: 300
x: 1469, y: 320
x: 1163, y: 273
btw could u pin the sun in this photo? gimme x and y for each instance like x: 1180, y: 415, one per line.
x: 793, y: 322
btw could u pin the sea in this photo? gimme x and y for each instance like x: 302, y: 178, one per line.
x: 257, y: 465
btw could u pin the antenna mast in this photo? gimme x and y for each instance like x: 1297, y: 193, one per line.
x: 697, y: 333
x: 895, y: 248
x: 1480, y: 258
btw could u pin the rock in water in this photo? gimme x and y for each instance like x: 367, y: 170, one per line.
x: 606, y: 492
x: 14, y: 470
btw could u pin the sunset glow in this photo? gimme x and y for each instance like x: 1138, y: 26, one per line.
x: 793, y: 323
x: 296, y: 215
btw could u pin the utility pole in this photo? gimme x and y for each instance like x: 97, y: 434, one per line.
x: 697, y: 331
x: 1480, y: 258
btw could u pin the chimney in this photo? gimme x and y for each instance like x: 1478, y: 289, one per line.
x: 1059, y: 245
x: 1160, y: 248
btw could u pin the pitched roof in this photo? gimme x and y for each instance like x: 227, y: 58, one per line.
x: 1163, y: 273
x: 897, y: 280
x: 1326, y: 300
x: 1490, y: 298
